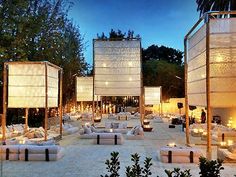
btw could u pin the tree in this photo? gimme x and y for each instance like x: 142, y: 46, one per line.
x: 117, y: 35
x: 170, y: 55
x: 40, y: 30
x: 215, y: 5
x: 169, y: 76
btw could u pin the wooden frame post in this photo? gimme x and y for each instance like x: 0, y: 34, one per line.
x: 208, y: 88
x: 26, y: 120
x: 101, y: 109
x: 93, y: 108
x: 4, y: 116
x: 60, y: 103
x: 186, y: 93
x: 46, y: 102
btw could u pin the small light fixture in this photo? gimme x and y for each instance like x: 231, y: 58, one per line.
x: 130, y: 79
x: 130, y: 64
x: 111, y: 130
x: 106, y: 83
x: 104, y: 65
x: 172, y: 144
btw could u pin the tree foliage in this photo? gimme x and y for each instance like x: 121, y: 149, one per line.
x: 163, y: 66
x: 117, y: 35
x: 169, y: 76
x: 170, y: 55
x: 40, y: 30
x: 215, y: 5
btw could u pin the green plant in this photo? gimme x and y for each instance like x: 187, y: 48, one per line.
x: 210, y: 168
x: 113, y: 165
x: 136, y: 170
x: 178, y: 173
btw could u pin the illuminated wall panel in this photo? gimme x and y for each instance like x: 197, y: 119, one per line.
x: 26, y: 85
x: 152, y: 95
x: 222, y: 53
x: 117, y: 68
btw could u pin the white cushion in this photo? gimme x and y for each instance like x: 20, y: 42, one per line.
x: 232, y: 148
x: 87, y: 130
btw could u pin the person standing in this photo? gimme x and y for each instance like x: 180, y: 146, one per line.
x: 203, y: 117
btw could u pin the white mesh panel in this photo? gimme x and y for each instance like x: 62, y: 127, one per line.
x: 223, y: 40
x: 197, y: 87
x: 197, y: 99
x: 26, y: 85
x: 117, y: 68
x: 196, y: 54
x: 197, y: 74
x: 119, y: 92
x: 53, y: 87
x: 223, y: 85
x: 223, y: 99
x: 152, y: 95
x: 84, y: 89
x: 26, y: 70
x: 26, y: 102
x: 224, y: 25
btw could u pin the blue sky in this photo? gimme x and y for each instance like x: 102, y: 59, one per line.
x: 160, y: 22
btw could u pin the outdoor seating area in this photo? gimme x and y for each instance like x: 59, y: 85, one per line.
x: 66, y: 111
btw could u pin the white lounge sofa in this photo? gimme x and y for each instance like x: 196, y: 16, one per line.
x: 227, y: 154
x: 40, y: 153
x: 31, y: 152
x: 109, y: 139
x: 180, y: 154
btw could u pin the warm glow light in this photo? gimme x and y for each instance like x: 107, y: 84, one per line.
x: 111, y: 130
x: 146, y: 126
x: 172, y: 144
x: 195, y: 130
x: 219, y: 58
x: 104, y: 65
x: 106, y: 83
x: 204, y: 133
x: 21, y: 141
x: 130, y: 79
x: 130, y: 64
x: 230, y: 142
x: 200, y: 130
x: 87, y: 124
x: 15, y: 131
x: 223, y: 143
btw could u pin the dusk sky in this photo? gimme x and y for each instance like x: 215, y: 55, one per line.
x: 160, y: 22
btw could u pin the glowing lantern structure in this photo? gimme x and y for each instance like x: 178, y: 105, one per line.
x: 84, y: 90
x: 152, y: 95
x: 32, y: 85
x: 117, y: 68
x: 210, y: 60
